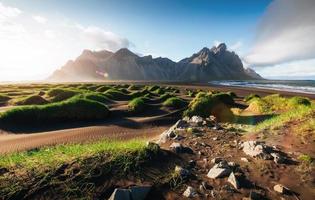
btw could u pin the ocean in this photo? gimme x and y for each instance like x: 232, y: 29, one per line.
x: 302, y: 86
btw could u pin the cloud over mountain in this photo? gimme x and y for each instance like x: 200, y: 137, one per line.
x: 285, y: 33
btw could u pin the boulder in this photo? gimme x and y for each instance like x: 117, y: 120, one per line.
x: 219, y: 170
x: 133, y: 193
x: 244, y: 159
x: 190, y: 192
x: 120, y: 194
x: 234, y: 180
x: 256, y: 149
x: 181, y: 124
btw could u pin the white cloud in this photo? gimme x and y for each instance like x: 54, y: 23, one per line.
x: 302, y: 68
x: 32, y: 52
x: 40, y: 19
x: 216, y: 43
x: 7, y: 11
x: 286, y: 33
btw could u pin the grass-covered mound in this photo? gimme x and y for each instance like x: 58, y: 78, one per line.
x: 31, y: 100
x: 276, y: 104
x: 165, y: 96
x: 103, y: 88
x: 250, y: 97
x: 115, y: 94
x: 99, y: 97
x: 142, y: 93
x: 74, y: 109
x: 205, y: 105
x: 4, y: 98
x: 174, y: 102
x: 74, y: 171
x: 137, y: 105
x: 60, y: 94
x: 159, y: 91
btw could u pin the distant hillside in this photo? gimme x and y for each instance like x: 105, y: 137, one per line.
x: 216, y: 63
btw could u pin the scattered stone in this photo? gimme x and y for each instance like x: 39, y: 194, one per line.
x: 190, y: 192
x: 216, y: 160
x: 244, y: 159
x: 120, y: 194
x: 234, y: 180
x: 139, y: 192
x: 196, y: 120
x: 280, y: 189
x: 215, y: 138
x: 277, y: 158
x: 219, y: 170
x: 181, y: 171
x: 256, y: 149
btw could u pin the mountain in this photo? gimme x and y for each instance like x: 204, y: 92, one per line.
x: 216, y: 63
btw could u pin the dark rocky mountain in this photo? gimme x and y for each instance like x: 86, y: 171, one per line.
x: 216, y: 63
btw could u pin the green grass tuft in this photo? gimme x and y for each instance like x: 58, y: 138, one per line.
x: 74, y: 109
x: 137, y: 105
x: 31, y: 100
x: 174, y: 102
x: 59, y: 94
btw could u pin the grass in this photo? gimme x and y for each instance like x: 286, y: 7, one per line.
x: 305, y: 158
x: 250, y: 97
x: 137, y: 105
x: 279, y: 120
x: 205, y: 105
x: 174, y: 102
x: 74, y: 171
x: 165, y: 96
x: 99, y: 97
x: 59, y: 94
x: 276, y: 104
x: 31, y: 100
x: 103, y: 88
x: 115, y: 94
x: 74, y: 109
x: 51, y: 157
x: 4, y: 97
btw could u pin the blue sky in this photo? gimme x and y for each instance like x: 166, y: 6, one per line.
x: 168, y: 28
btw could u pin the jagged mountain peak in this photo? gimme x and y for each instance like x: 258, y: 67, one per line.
x: 124, y: 52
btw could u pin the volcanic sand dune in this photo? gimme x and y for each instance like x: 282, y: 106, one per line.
x: 147, y: 125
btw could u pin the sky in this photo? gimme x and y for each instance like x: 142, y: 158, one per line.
x: 273, y: 37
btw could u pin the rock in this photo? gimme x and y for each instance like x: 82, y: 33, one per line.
x: 168, y: 134
x: 181, y: 171
x: 215, y: 138
x: 120, y: 194
x: 196, y: 120
x: 244, y: 159
x: 139, y: 192
x: 176, y: 147
x: 134, y: 193
x: 280, y: 189
x: 277, y: 158
x: 180, y: 124
x: 234, y: 181
x: 190, y: 192
x: 256, y: 149
x: 216, y: 160
x: 219, y: 170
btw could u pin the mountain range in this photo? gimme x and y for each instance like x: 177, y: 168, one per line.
x: 216, y: 63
